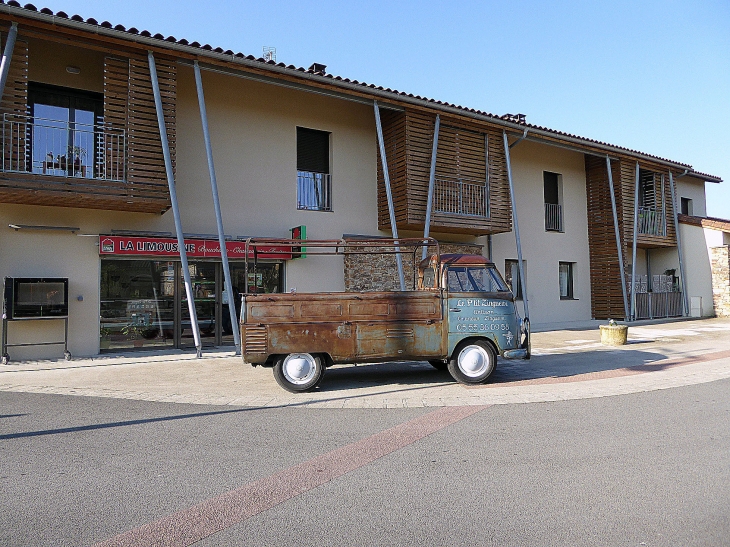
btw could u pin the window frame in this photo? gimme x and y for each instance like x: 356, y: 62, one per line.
x: 552, y: 216
x: 509, y: 280
x: 314, y: 176
x: 570, y: 283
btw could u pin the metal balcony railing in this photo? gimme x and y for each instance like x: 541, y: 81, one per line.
x: 553, y: 217
x: 314, y: 191
x: 652, y: 222
x: 62, y: 149
x: 458, y: 197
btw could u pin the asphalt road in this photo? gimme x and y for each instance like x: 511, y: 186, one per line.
x: 639, y: 469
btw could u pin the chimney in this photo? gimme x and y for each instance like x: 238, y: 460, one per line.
x: 317, y: 68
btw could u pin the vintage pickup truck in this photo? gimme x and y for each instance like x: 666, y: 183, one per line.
x: 459, y: 316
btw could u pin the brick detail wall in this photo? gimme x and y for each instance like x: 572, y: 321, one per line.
x: 720, y: 257
x: 379, y: 272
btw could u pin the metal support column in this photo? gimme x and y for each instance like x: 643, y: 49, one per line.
x: 389, y: 194
x: 173, y: 200
x: 685, y: 296
x: 633, y: 248
x: 523, y: 281
x: 217, y: 207
x: 7, y: 55
x: 619, y: 247
x: 431, y: 181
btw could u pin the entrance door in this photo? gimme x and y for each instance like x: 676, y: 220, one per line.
x: 265, y: 278
x: 203, y: 281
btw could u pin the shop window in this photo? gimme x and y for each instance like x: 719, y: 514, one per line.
x: 553, y: 194
x: 137, y: 303
x: 64, y: 127
x: 512, y: 276
x: 566, y: 271
x: 314, y: 181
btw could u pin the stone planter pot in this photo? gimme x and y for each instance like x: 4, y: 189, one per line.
x: 614, y: 335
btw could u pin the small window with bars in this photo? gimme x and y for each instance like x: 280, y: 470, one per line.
x: 314, y: 181
x: 512, y: 276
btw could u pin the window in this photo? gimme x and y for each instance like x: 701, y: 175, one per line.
x: 474, y: 279
x: 552, y: 191
x: 647, y: 191
x: 512, y: 276
x: 313, y: 170
x: 687, y: 206
x: 64, y: 130
x: 566, y: 280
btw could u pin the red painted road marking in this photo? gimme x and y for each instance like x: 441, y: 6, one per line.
x: 200, y: 521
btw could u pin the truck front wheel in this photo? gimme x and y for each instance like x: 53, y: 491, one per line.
x: 473, y: 362
x: 298, y: 372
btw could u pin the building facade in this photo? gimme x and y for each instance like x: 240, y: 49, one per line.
x: 85, y: 195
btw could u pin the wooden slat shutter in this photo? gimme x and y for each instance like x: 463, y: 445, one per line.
x: 14, y: 108
x: 145, y: 161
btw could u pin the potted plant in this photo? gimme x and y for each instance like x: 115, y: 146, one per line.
x: 614, y: 334
x: 105, y: 334
x: 134, y: 333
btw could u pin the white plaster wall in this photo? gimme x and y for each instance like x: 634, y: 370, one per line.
x: 29, y: 253
x: 694, y: 189
x: 253, y: 134
x: 696, y: 261
x: 544, y: 250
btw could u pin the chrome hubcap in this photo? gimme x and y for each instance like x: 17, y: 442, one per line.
x: 473, y: 361
x: 299, y: 368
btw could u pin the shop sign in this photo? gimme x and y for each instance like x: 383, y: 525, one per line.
x: 194, y: 248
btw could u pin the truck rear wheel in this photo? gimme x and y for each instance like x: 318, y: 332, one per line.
x: 297, y: 372
x: 473, y: 362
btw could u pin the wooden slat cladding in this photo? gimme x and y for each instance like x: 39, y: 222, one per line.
x: 607, y: 297
x: 145, y: 161
x: 15, y: 96
x: 462, y: 154
x: 605, y: 274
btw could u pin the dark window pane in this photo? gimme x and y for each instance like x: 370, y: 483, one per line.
x: 550, y: 181
x: 313, y: 150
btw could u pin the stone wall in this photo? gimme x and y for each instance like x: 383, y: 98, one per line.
x: 379, y: 272
x: 720, y: 257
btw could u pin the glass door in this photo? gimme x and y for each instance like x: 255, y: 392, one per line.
x: 203, y: 281
x: 267, y: 278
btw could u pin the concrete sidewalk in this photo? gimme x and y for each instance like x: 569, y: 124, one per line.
x: 566, y: 364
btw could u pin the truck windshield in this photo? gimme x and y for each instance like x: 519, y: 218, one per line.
x: 474, y: 279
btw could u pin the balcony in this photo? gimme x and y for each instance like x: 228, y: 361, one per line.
x: 457, y: 197
x: 63, y: 149
x: 553, y: 217
x: 652, y: 222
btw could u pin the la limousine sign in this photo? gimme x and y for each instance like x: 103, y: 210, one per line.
x: 194, y: 248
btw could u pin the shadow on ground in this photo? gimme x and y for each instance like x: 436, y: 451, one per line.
x: 417, y: 373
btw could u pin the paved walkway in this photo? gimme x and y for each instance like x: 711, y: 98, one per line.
x: 566, y: 364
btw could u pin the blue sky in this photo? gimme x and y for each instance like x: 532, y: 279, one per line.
x: 648, y: 75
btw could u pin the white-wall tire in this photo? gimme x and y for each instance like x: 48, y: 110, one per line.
x: 473, y: 362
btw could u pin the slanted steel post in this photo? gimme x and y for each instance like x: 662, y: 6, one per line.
x: 633, y: 248
x: 431, y: 182
x: 685, y: 296
x: 619, y: 247
x: 523, y: 281
x: 389, y: 194
x: 173, y: 200
x: 7, y: 55
x: 217, y: 207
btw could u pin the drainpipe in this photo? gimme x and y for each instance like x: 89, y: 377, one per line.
x: 685, y: 300
x: 633, y: 248
x: 619, y: 247
x: 7, y: 55
x: 523, y: 281
x: 431, y: 182
x: 175, y: 209
x: 389, y: 194
x: 217, y: 207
